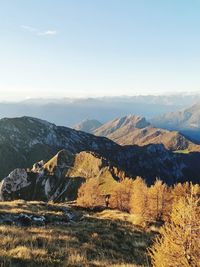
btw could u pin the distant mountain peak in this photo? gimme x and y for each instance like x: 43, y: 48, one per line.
x: 135, y: 130
x: 126, y: 123
x: 186, y: 121
x: 136, y: 121
x: 88, y: 125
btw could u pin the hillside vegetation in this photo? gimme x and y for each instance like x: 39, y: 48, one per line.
x: 106, y: 238
x: 176, y: 209
x: 143, y: 226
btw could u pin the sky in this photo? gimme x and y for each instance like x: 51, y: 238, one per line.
x: 88, y: 48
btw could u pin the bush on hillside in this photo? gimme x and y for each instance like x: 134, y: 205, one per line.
x: 139, y: 199
x: 121, y: 195
x: 90, y: 195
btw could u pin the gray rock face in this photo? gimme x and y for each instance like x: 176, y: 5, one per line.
x: 38, y: 166
x: 16, y: 180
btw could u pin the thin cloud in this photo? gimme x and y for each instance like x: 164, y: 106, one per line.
x: 39, y: 32
x: 48, y: 32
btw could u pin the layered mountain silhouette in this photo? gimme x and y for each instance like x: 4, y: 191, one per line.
x: 88, y: 126
x: 69, y: 111
x: 186, y: 121
x: 136, y: 130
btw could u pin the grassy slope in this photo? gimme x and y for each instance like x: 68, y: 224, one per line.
x: 106, y: 238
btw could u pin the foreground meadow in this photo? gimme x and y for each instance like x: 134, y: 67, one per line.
x: 105, y: 238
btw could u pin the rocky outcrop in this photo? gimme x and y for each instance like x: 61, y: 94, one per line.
x: 59, y: 178
x: 38, y: 214
x: 11, y: 186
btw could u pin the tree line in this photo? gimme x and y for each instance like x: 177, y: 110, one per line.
x: 176, y: 207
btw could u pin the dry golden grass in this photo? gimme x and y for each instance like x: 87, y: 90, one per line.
x: 106, y: 238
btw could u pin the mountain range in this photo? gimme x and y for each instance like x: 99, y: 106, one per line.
x: 136, y: 130
x: 63, y: 157
x: 69, y: 111
x: 186, y: 121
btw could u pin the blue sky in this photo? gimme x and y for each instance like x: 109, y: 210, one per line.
x: 60, y: 48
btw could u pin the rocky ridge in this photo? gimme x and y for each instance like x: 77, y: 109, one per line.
x: 59, y: 178
x: 135, y: 130
x: 26, y: 140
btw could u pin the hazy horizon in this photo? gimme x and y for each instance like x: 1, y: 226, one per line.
x: 77, y: 97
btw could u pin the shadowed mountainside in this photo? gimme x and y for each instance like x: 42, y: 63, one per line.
x: 60, y: 178
x: 24, y: 141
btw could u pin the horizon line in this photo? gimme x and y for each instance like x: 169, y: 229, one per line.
x: 156, y: 94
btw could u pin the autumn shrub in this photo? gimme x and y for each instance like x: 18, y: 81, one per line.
x: 90, y: 195
x: 139, y: 198
x: 180, y: 191
x: 121, y: 195
x: 158, y: 201
x: 178, y: 243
